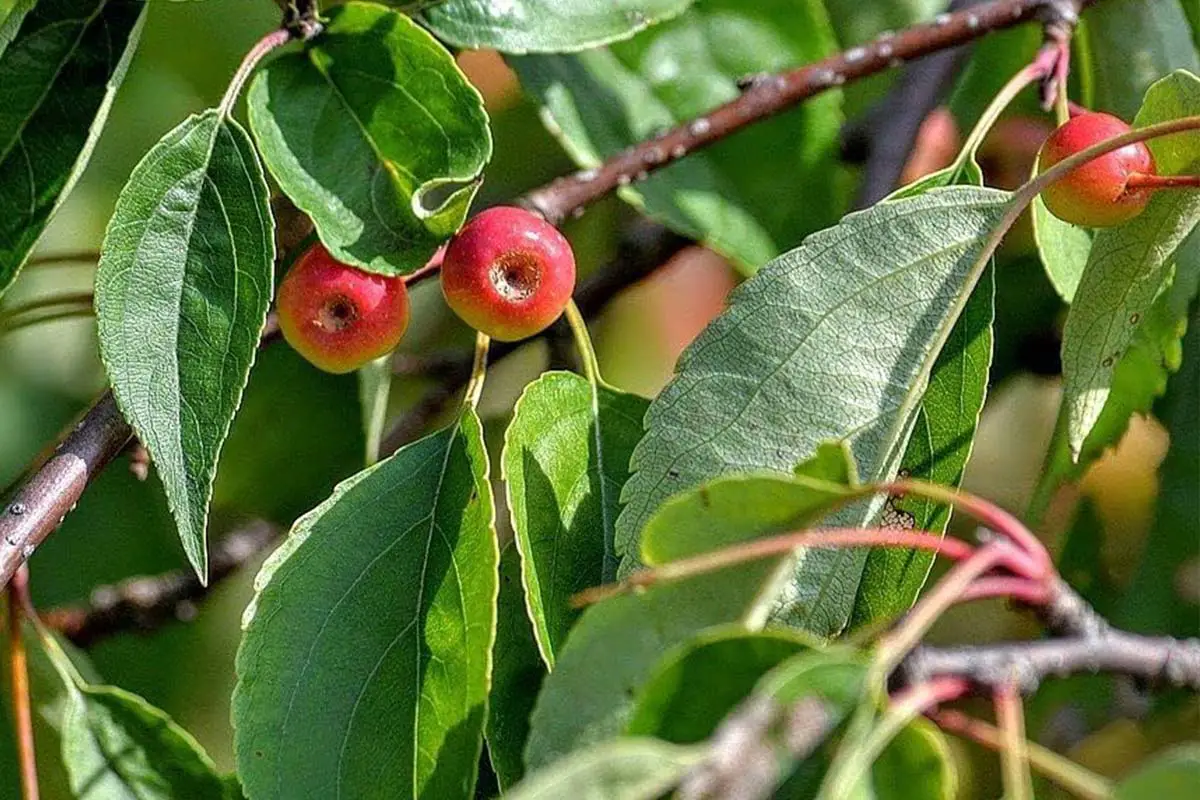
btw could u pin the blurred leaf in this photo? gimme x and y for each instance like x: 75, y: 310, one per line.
x: 1081, y: 561
x: 942, y: 436
x: 364, y: 128
x: 544, y: 26
x: 61, y: 62
x: 628, y: 769
x: 1129, y: 265
x: 917, y: 763
x: 366, y: 655
x: 1173, y: 775
x: 517, y: 675
x: 1154, y: 602
x: 699, y: 682
x: 613, y: 649
x: 566, y: 457
x: 182, y: 291
x: 1134, y: 43
x: 749, y: 197
x: 374, y: 387
x: 116, y: 746
x: 993, y: 60
x: 810, y: 350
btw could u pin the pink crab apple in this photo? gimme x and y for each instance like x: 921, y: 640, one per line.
x: 508, y: 273
x: 338, y: 316
x: 1097, y: 194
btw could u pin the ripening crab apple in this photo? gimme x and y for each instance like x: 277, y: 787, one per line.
x: 1097, y: 194
x: 338, y: 316
x: 508, y: 273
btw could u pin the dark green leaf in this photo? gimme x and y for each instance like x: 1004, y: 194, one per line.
x: 701, y: 681
x: 516, y: 677
x: 942, y: 435
x: 1156, y: 601
x: 1081, y: 561
x: 614, y: 647
x: 61, y: 62
x: 917, y: 763
x: 628, y: 769
x: 566, y: 457
x: 116, y: 746
x: 182, y: 292
x: 1129, y: 266
x: 1174, y: 775
x: 365, y: 664
x: 544, y: 26
x: 750, y: 197
x: 812, y: 349
x: 1132, y: 44
x: 363, y: 127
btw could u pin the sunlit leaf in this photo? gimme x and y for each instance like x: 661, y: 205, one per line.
x: 630, y: 769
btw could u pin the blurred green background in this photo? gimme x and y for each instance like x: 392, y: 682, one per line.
x: 298, y: 432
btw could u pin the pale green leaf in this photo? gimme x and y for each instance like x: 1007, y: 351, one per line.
x: 61, y: 62
x: 916, y: 764
x: 615, y: 646
x: 1132, y: 44
x: 517, y: 676
x: 374, y: 388
x: 834, y: 340
x: 1129, y: 265
x: 749, y: 197
x: 116, y: 746
x: 566, y: 457
x: 1063, y: 247
x: 365, y: 664
x: 628, y: 769
x: 1174, y: 775
x: 182, y: 292
x: 544, y: 26
x: 364, y: 127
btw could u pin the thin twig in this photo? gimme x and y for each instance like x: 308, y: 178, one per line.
x: 18, y: 606
x: 1014, y: 757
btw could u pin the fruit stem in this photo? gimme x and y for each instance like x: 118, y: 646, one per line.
x: 1142, y: 180
x: 478, y: 371
x: 587, y: 353
x: 274, y: 39
x: 18, y: 607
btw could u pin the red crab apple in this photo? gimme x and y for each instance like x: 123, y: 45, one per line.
x: 1096, y: 194
x: 338, y: 316
x: 508, y: 273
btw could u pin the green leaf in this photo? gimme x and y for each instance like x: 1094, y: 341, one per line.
x: 699, y: 682
x: 942, y: 436
x: 182, y: 292
x: 61, y: 62
x: 365, y: 664
x: 813, y: 349
x: 516, y: 677
x: 917, y: 763
x: 374, y: 387
x: 1156, y: 601
x: 1173, y: 775
x: 363, y: 127
x: 566, y: 457
x: 1129, y: 265
x: 1133, y: 44
x: 753, y: 195
x: 1063, y: 247
x: 613, y: 649
x: 116, y: 746
x: 544, y: 26
x: 629, y: 769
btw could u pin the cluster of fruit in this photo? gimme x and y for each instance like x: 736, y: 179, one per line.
x: 509, y: 274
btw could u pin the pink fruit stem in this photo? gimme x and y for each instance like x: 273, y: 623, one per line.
x: 1141, y: 180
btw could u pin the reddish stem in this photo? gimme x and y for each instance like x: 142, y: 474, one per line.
x: 427, y: 271
x: 1020, y: 589
x: 1075, y: 109
x: 18, y: 603
x: 931, y: 693
x: 1141, y: 180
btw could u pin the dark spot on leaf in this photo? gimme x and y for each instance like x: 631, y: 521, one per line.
x: 705, y: 499
x: 1134, y: 319
x: 1108, y: 362
x: 673, y: 473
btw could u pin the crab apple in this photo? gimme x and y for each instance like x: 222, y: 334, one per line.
x: 340, y: 317
x: 1095, y: 194
x: 508, y: 273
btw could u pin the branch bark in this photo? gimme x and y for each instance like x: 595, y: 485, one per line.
x: 50, y: 492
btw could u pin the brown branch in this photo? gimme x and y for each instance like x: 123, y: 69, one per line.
x: 51, y: 491
x: 146, y: 604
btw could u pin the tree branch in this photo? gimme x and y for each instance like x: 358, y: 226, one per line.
x: 146, y: 604
x: 51, y: 491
